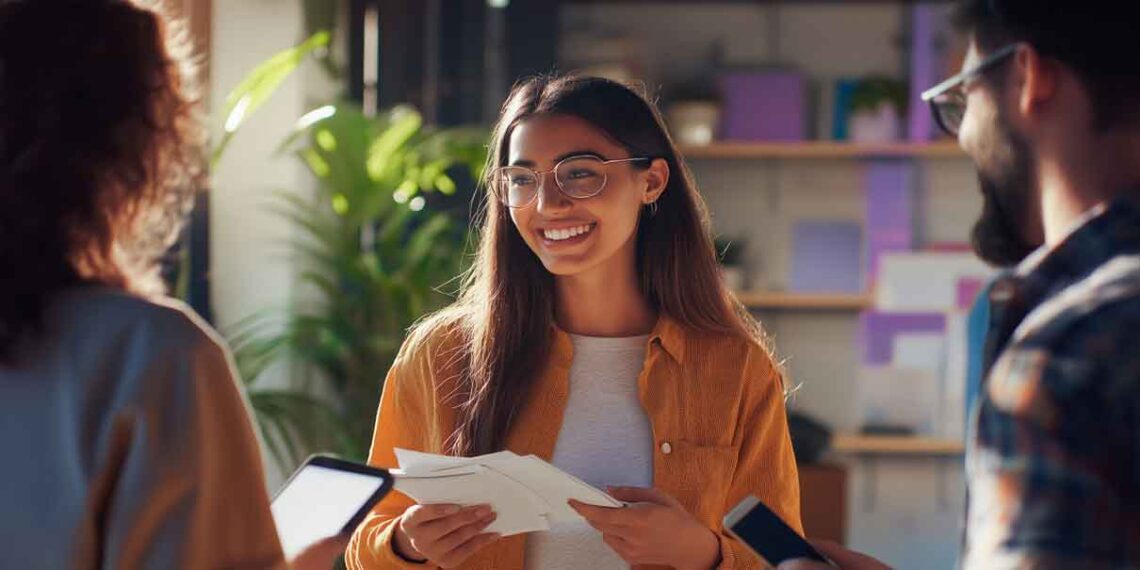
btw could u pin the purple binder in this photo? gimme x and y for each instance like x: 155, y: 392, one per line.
x: 889, y: 189
x: 763, y: 106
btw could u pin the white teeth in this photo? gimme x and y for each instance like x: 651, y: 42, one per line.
x: 567, y: 233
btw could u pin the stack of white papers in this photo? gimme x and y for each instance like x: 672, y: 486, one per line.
x: 527, y: 493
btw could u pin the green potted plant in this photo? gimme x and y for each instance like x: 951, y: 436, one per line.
x: 878, y: 105
x: 379, y: 248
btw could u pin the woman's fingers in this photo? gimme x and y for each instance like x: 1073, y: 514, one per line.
x: 461, y: 535
x: 422, y: 514
x: 609, y: 516
x: 441, y: 527
x: 465, y: 550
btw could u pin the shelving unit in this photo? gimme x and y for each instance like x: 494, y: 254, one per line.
x: 860, y: 444
x: 757, y: 191
x: 822, y: 150
x: 786, y: 301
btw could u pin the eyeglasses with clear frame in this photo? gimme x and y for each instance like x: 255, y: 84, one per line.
x: 578, y: 177
x: 948, y: 100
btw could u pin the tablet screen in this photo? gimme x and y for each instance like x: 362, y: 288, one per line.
x: 318, y: 502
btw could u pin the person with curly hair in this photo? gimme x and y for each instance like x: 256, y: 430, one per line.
x: 127, y: 440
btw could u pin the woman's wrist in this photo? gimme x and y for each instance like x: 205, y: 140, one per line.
x: 709, y: 553
x: 402, y: 545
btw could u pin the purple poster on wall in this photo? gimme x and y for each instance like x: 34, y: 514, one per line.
x: 877, y: 332
x: 826, y: 257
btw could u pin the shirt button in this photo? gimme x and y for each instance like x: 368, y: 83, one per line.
x: 666, y: 448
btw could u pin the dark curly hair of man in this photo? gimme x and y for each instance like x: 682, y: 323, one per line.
x: 101, y: 150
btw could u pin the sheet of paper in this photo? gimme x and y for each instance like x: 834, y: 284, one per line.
x: 527, y: 492
x: 925, y: 350
x: 926, y: 281
x: 518, y: 508
x: 555, y: 486
x: 954, y: 380
x: 419, y: 462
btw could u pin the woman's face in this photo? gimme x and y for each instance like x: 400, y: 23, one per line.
x: 571, y: 236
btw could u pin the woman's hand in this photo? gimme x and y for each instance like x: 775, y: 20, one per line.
x: 444, y: 535
x: 653, y: 529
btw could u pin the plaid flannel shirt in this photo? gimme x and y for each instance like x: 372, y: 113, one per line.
x: 1054, y: 459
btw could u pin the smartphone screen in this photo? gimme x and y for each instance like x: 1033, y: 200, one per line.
x: 757, y: 526
x: 323, y: 498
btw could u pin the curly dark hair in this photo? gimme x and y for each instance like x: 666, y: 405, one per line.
x: 101, y: 150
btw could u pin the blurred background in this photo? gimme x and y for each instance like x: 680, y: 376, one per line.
x: 349, y: 134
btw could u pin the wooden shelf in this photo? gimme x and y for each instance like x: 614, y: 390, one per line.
x: 803, y: 301
x: 850, y: 443
x: 822, y: 150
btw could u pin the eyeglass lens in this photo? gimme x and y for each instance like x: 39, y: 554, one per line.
x: 581, y: 177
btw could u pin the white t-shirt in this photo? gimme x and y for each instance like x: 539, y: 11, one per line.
x: 605, y: 440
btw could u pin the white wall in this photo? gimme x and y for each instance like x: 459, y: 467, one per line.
x: 251, y: 267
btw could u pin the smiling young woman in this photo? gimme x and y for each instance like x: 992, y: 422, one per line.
x: 595, y: 332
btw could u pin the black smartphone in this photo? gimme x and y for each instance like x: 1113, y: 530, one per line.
x: 754, y: 524
x: 325, y: 497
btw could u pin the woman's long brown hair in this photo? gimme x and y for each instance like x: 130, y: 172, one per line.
x: 505, y: 312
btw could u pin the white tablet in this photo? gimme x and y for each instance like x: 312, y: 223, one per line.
x: 325, y: 497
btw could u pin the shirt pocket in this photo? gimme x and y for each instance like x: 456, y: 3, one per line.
x: 698, y: 476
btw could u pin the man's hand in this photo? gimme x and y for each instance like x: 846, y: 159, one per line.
x: 843, y: 558
x: 320, y: 555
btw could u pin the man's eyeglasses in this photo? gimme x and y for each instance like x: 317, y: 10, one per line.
x: 948, y: 101
x: 578, y: 177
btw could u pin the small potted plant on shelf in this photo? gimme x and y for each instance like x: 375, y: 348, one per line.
x: 878, y: 105
x: 730, y: 253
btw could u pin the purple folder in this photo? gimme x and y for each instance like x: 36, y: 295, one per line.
x: 877, y: 332
x: 890, y: 205
x: 763, y: 106
x: 923, y: 65
x: 826, y: 257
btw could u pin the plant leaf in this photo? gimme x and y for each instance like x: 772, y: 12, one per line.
x: 260, y: 84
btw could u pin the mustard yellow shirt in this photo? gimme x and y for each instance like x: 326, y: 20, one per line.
x: 716, y: 406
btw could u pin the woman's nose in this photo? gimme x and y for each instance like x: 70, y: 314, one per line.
x: 550, y: 197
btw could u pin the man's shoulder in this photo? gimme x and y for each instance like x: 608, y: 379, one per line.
x: 1084, y: 340
x: 1103, y: 305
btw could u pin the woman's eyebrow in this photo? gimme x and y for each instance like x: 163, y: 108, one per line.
x: 582, y: 152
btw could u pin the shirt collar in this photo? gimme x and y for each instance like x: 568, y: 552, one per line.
x: 1100, y: 234
x: 671, y: 337
x: 666, y: 332
x: 1096, y: 237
